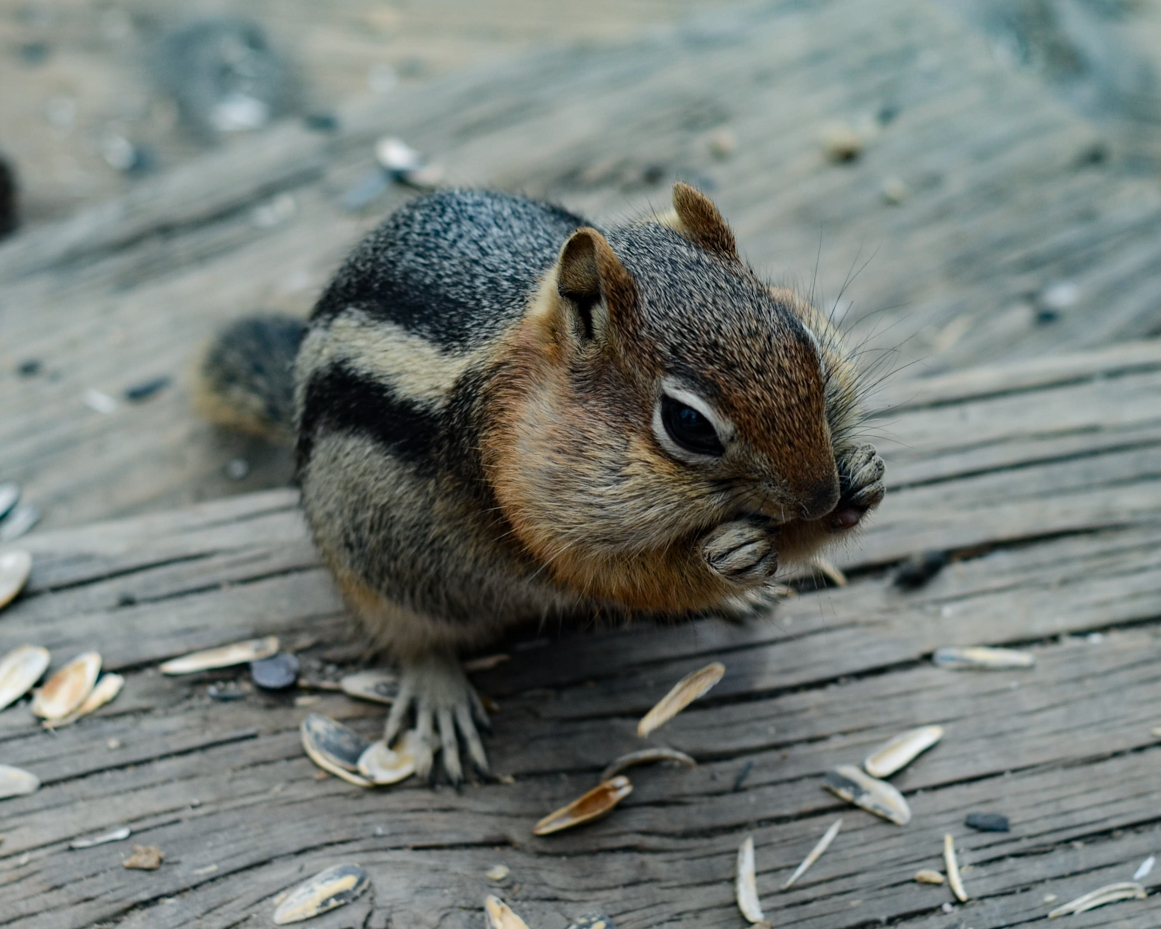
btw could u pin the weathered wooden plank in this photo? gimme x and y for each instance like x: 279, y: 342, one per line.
x: 1030, y: 374
x: 653, y: 839
x: 1066, y: 749
x: 1101, y: 695
x: 998, y: 210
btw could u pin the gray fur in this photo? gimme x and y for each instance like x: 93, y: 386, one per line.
x: 455, y: 266
x: 425, y: 543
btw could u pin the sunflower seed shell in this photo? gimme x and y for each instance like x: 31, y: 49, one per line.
x: 397, y: 156
x: 19, y: 521
x: 830, y: 571
x: 1111, y: 893
x: 874, y: 796
x: 815, y: 853
x: 982, y: 658
x: 334, y: 747
x: 376, y: 686
x: 14, y: 570
x: 684, y: 692
x: 500, y: 916
x: 9, y: 497
x: 116, y: 835
x: 327, y: 890
x: 19, y: 670
x: 746, y: 884
x: 382, y: 765
x: 953, y: 878
x: 596, y: 803
x: 485, y: 663
x: 15, y: 782
x: 901, y: 751
x: 66, y: 690
x: 224, y: 657
x: 106, y: 690
x: 647, y: 756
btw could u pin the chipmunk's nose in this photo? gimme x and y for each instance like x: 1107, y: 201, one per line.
x: 821, y: 498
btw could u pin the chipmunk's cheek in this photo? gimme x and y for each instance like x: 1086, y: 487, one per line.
x: 846, y: 517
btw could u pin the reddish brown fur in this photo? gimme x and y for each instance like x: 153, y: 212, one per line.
x: 794, y: 438
x: 667, y: 579
x: 702, y: 223
x: 573, y: 407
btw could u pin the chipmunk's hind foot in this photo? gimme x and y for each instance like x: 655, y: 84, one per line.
x: 444, y: 702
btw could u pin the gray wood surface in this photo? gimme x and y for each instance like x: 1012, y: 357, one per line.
x: 78, y: 74
x: 1002, y: 206
x: 1054, y: 526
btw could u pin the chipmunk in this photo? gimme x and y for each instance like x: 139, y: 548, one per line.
x: 503, y: 413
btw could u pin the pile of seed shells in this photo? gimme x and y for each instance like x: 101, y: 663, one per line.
x: 73, y: 691
x: 335, y: 748
x: 339, y: 750
x: 344, y: 753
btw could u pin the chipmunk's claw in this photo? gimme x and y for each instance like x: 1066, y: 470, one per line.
x: 437, y: 689
x: 861, y: 486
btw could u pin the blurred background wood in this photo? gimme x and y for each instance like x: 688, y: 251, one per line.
x: 80, y: 73
x: 1009, y: 241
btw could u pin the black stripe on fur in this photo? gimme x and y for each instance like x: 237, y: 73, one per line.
x: 340, y: 400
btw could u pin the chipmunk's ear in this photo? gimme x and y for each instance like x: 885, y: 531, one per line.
x: 695, y: 217
x: 593, y: 284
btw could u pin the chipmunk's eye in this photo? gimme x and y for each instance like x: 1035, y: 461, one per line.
x: 690, y: 428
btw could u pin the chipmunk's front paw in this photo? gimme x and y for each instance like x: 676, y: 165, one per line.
x: 861, y: 486
x: 742, y: 550
x: 438, y: 690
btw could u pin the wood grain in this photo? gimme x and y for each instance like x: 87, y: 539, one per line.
x: 1065, y: 749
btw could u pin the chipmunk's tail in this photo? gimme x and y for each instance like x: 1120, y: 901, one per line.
x: 246, y: 377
